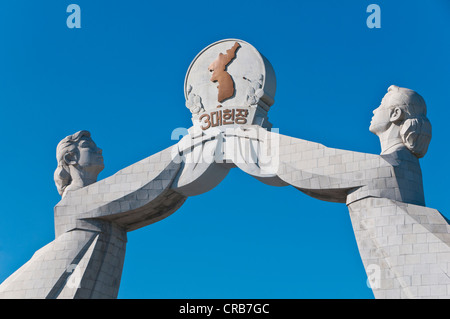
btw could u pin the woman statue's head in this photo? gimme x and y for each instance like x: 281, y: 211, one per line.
x: 79, y: 162
x: 401, y: 118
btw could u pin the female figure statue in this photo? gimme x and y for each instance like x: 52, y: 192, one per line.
x: 79, y: 162
x: 405, y: 244
x: 404, y: 241
x: 91, y: 222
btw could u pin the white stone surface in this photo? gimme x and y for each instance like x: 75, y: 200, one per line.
x: 86, y: 258
x: 254, y: 87
x: 79, y: 162
x: 406, y: 244
x: 410, y: 244
x: 401, y: 120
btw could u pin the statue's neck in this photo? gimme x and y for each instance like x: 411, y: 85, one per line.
x: 390, y: 139
x: 80, y: 179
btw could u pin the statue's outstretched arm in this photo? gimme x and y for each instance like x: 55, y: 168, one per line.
x: 136, y: 196
x: 86, y: 257
x: 319, y: 171
x: 322, y: 172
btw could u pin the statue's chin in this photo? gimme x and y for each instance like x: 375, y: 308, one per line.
x: 99, y: 166
x: 375, y: 129
x: 92, y: 171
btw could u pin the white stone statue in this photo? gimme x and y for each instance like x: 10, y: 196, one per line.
x: 79, y: 162
x: 404, y: 246
x: 91, y: 221
x: 400, y: 121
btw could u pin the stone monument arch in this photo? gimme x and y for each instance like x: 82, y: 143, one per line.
x: 229, y: 89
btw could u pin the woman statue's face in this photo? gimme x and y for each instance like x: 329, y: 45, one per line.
x: 381, y: 116
x: 90, y: 156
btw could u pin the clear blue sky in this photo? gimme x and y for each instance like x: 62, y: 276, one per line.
x: 121, y: 77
